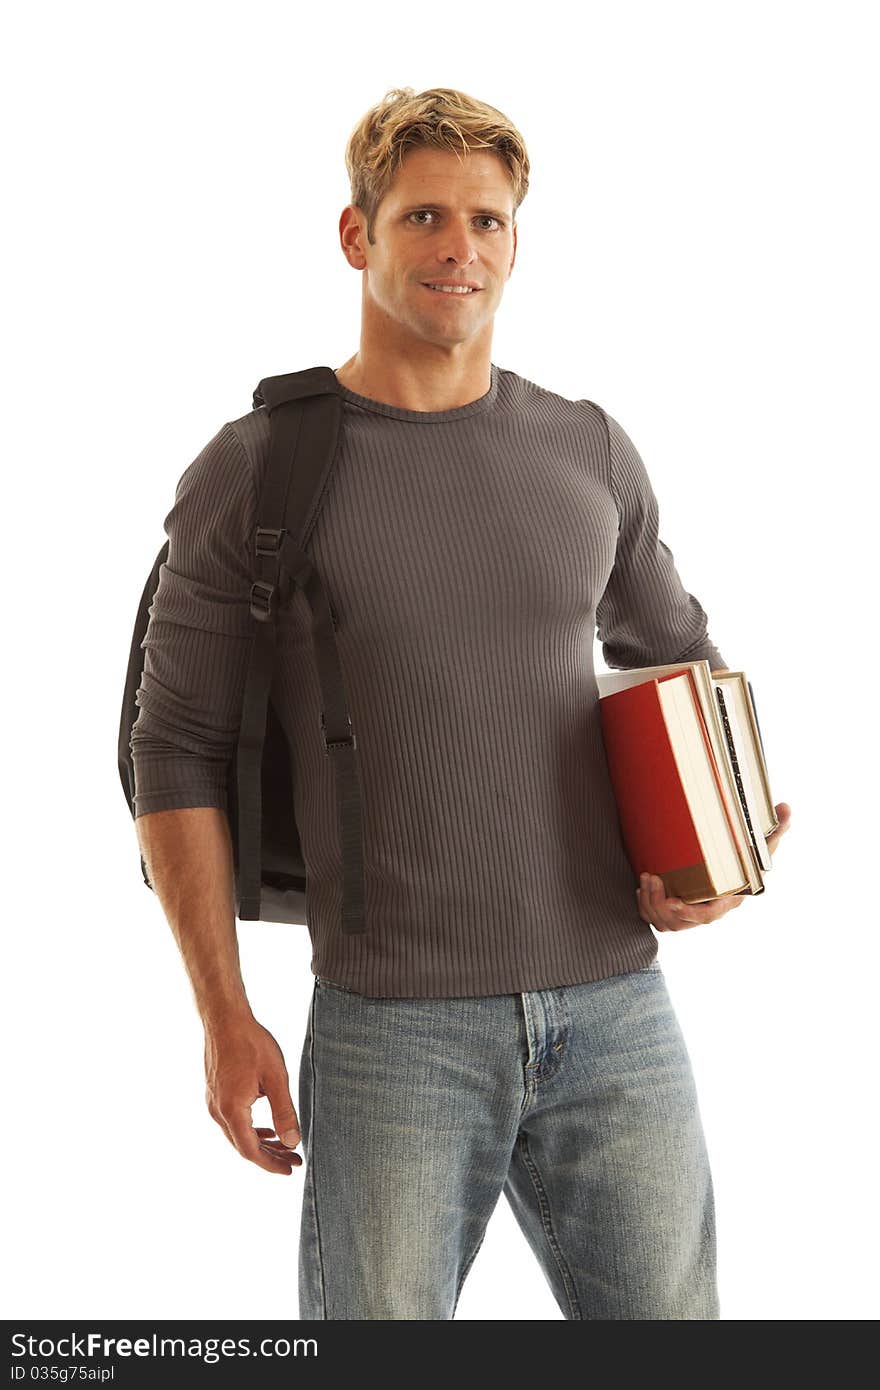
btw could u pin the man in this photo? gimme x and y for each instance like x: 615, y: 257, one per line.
x: 503, y: 1023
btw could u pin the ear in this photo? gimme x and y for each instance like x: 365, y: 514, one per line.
x: 352, y: 233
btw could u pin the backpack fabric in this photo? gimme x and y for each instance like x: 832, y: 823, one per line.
x: 305, y: 414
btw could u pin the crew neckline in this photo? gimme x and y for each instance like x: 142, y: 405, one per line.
x: 425, y: 416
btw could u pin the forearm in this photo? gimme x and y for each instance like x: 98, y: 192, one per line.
x: 188, y: 854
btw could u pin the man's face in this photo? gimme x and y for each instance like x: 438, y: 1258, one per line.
x: 443, y: 218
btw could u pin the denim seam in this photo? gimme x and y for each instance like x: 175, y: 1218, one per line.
x: 320, y: 1256
x: 547, y: 1223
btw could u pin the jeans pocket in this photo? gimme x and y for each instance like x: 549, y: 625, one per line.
x: 323, y: 983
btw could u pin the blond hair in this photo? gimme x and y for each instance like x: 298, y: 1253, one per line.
x: 439, y: 118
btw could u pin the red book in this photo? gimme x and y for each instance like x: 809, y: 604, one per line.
x: 673, y: 802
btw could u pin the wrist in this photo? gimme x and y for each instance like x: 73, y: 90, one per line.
x: 226, y: 1013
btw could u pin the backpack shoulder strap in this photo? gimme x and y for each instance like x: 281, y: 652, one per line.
x: 295, y: 386
x: 305, y: 416
x: 305, y: 410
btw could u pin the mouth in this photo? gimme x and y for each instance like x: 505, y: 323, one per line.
x: 451, y: 292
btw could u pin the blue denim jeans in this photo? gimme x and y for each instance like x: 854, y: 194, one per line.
x: 578, y: 1103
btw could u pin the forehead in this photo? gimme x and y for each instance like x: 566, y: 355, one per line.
x: 444, y: 178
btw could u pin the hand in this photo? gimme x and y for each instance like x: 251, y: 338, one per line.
x: 243, y: 1062
x: 783, y: 815
x: 671, y: 914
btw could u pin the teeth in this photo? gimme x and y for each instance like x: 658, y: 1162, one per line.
x: 451, y: 289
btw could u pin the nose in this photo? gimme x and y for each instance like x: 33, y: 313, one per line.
x: 458, y: 245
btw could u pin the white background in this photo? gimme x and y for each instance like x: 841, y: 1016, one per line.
x: 697, y: 253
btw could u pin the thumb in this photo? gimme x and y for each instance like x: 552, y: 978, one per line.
x: 285, y: 1122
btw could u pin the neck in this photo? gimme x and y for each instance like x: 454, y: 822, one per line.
x: 411, y: 387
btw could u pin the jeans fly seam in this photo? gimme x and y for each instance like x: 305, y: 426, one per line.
x: 530, y: 1084
x: 547, y: 1223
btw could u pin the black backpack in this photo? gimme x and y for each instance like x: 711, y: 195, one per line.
x: 305, y: 413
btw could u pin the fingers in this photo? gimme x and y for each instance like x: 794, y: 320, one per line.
x: 277, y: 1147
x: 783, y: 815
x: 250, y: 1144
x: 671, y: 914
x: 664, y: 913
x: 281, y: 1157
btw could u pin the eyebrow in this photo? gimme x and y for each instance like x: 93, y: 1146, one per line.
x: 441, y: 207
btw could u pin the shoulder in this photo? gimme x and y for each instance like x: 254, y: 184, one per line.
x: 520, y: 393
x: 252, y: 433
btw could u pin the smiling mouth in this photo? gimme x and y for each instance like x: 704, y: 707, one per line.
x: 451, y: 293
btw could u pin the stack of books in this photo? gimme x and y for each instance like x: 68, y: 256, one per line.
x: 686, y: 760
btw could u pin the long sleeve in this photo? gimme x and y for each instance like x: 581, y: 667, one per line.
x: 199, y: 634
x: 645, y: 616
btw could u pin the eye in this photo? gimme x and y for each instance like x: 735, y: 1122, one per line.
x: 483, y: 217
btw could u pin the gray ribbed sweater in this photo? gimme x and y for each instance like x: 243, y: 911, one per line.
x: 470, y: 556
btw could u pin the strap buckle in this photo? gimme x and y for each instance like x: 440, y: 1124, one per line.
x: 269, y: 538
x: 346, y: 741
x: 261, y: 600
